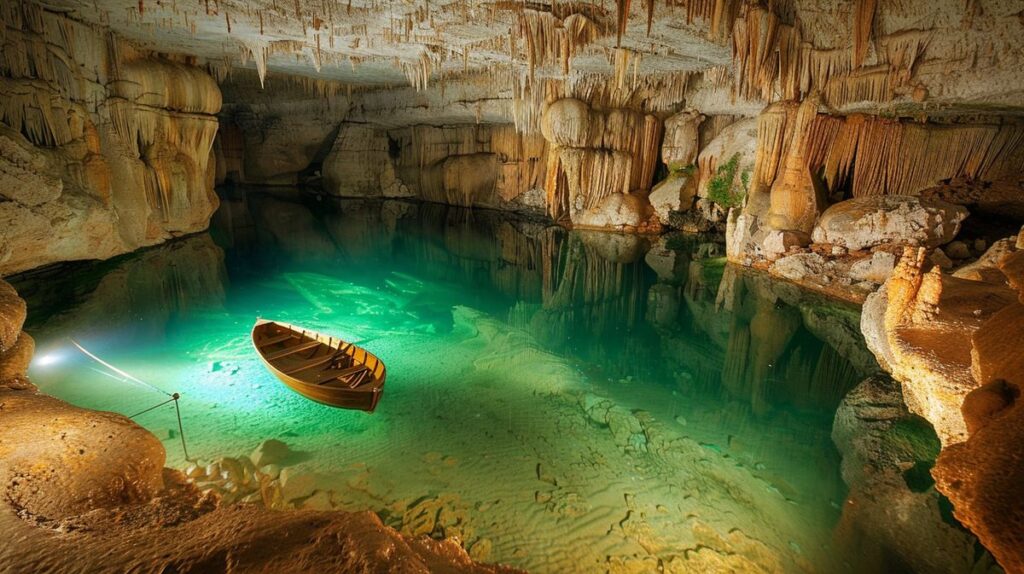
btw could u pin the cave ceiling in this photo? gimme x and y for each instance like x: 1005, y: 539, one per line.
x: 390, y: 43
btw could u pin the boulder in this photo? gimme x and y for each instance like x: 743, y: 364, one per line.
x: 680, y: 145
x: 675, y: 193
x: 866, y: 222
x: 876, y: 268
x: 616, y: 211
x: 57, y: 460
x: 958, y: 250
x: 777, y: 243
x: 297, y: 484
x: 270, y: 451
x: 800, y: 265
x: 986, y: 268
x: 15, y: 360
x: 12, y: 315
x: 940, y: 259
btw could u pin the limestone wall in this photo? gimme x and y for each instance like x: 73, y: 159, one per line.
x: 467, y: 165
x: 103, y: 148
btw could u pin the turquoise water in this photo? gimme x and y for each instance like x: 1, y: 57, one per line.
x: 561, y: 401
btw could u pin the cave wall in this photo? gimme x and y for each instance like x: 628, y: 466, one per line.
x: 278, y: 131
x: 103, y: 148
x: 469, y: 165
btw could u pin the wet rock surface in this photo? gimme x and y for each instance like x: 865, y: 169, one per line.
x: 887, y: 455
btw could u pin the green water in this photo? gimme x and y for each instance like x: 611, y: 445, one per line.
x: 560, y: 401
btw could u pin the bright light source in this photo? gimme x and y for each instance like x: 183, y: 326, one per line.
x: 47, y: 359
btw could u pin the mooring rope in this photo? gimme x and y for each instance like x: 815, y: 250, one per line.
x: 129, y: 378
x: 116, y: 370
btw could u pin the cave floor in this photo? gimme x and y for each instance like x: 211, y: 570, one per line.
x: 555, y: 408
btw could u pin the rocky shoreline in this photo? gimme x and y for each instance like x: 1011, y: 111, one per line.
x: 87, y: 491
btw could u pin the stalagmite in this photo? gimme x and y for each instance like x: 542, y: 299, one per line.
x: 795, y: 199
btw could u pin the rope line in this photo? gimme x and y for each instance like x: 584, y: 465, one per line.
x: 151, y: 408
x: 116, y: 370
x: 129, y: 378
x: 181, y: 430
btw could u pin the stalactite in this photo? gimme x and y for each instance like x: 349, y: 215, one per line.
x: 622, y: 16
x: 794, y: 204
x: 550, y: 40
x: 902, y: 51
x: 881, y: 156
x: 597, y: 153
x: 771, y: 138
x: 863, y: 21
x: 865, y: 84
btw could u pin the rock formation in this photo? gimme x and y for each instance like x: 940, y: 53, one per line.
x: 951, y: 342
x: 822, y: 138
x: 105, y: 148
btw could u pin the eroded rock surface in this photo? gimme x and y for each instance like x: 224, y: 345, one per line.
x: 866, y: 222
x: 953, y: 343
x: 104, y: 148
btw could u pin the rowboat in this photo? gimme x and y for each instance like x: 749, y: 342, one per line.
x: 319, y: 367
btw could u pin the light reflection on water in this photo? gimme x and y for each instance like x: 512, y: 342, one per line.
x: 579, y: 401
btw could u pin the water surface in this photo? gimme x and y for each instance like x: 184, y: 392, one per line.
x: 561, y: 401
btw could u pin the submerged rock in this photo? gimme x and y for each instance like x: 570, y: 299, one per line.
x: 892, y: 509
x: 270, y: 451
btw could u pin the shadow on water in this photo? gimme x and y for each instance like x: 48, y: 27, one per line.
x: 711, y: 389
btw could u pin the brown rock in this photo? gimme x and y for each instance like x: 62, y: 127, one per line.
x: 997, y: 352
x: 1012, y: 267
x: 865, y: 222
x: 15, y: 360
x: 982, y: 477
x: 986, y: 402
x: 57, y: 460
x: 12, y: 315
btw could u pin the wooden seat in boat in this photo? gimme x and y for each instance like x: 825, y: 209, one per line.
x: 292, y: 350
x: 275, y: 340
x: 309, y: 364
x: 336, y: 376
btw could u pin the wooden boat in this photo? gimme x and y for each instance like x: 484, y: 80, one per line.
x: 325, y: 369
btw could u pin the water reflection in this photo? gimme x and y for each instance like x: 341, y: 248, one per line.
x: 613, y: 400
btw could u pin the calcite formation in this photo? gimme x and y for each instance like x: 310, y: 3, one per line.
x: 105, y: 148
x: 821, y: 137
x: 953, y: 343
x: 866, y: 222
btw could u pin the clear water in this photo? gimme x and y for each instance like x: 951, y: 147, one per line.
x: 561, y: 401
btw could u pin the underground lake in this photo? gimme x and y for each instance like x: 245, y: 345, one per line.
x: 559, y: 401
